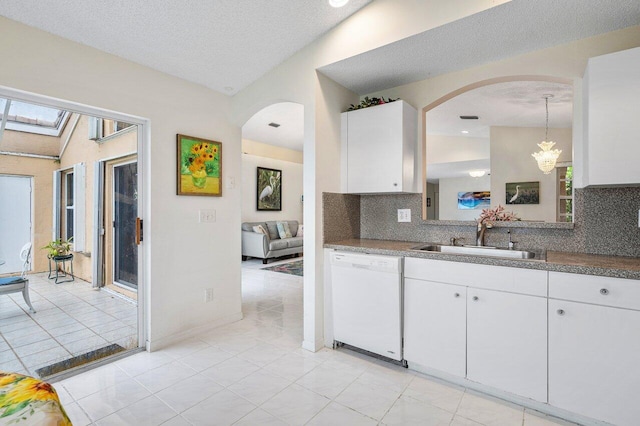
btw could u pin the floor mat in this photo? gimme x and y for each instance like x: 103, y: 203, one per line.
x: 79, y: 360
x: 291, y: 268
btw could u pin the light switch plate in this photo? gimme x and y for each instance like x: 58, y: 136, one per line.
x: 404, y: 215
x: 207, y: 216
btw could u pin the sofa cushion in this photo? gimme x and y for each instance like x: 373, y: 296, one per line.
x: 294, y: 242
x: 283, y: 230
x: 272, y: 227
x: 278, y: 244
x: 248, y: 226
x: 260, y: 229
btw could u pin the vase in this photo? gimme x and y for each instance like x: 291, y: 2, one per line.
x: 199, y: 179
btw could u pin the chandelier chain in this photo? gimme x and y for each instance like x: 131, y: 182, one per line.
x: 546, y: 128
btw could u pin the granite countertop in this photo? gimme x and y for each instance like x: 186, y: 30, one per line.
x: 578, y: 263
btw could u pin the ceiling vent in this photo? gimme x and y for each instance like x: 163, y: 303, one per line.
x: 276, y: 125
x: 468, y: 117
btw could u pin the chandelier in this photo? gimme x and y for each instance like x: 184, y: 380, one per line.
x: 547, y: 157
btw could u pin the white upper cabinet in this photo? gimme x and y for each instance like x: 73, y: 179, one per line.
x: 611, y: 92
x: 378, y: 149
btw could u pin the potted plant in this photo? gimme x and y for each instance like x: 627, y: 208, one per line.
x: 58, y: 248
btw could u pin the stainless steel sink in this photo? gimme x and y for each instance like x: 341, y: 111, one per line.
x: 480, y: 251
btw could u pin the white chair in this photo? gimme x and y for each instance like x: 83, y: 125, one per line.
x: 20, y: 283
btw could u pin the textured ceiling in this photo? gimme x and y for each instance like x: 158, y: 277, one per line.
x: 510, y: 29
x: 515, y: 104
x: 222, y: 44
x: 290, y: 134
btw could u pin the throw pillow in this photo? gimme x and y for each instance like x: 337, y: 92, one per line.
x: 300, y: 231
x: 283, y: 230
x: 259, y: 229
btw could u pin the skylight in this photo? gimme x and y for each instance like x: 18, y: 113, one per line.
x: 31, y: 118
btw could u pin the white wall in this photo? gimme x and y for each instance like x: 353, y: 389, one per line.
x: 295, y: 80
x: 447, y: 149
x: 291, y: 189
x: 449, y: 189
x: 184, y: 256
x: 511, y: 161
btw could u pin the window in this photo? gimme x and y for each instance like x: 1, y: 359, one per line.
x: 69, y: 205
x: 102, y: 128
x: 26, y: 117
x: 565, y: 194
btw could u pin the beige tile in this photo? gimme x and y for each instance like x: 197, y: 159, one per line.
x: 369, y: 400
x: 259, y: 387
x: 336, y: 414
x: 295, y: 405
x: 408, y: 411
x: 223, y: 408
x: 489, y: 411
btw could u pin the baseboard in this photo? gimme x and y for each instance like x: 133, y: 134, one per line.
x: 163, y: 342
x: 311, y: 346
x: 506, y: 396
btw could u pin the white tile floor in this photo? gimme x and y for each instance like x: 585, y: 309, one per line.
x: 71, y: 319
x: 253, y: 372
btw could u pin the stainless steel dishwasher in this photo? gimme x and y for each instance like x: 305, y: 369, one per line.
x: 367, y: 302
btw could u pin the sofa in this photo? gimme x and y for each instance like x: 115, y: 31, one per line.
x: 270, y: 245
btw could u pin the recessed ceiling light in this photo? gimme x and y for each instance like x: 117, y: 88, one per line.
x: 338, y: 3
x: 464, y: 131
x: 276, y: 125
x: 477, y: 173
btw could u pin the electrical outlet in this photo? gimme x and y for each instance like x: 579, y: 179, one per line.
x: 207, y: 216
x: 208, y: 294
x: 404, y: 215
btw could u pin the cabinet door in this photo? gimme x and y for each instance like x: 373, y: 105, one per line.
x: 374, y: 153
x: 593, y: 361
x: 507, y: 342
x: 435, y: 325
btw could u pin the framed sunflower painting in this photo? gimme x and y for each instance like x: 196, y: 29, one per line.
x: 199, y: 166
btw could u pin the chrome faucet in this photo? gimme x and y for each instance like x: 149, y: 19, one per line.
x: 482, y: 228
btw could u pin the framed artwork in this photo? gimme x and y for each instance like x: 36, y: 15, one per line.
x: 474, y: 200
x: 199, y: 166
x: 523, y: 193
x: 269, y: 189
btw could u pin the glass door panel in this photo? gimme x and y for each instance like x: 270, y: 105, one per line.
x: 125, y: 211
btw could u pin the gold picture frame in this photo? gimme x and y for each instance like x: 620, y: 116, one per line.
x: 199, y: 168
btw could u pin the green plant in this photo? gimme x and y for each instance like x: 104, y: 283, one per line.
x: 58, y: 247
x: 368, y: 102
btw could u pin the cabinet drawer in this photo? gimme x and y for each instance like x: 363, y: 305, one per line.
x: 606, y: 291
x: 502, y: 278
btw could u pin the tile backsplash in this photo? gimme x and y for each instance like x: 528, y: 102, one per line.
x: 606, y: 223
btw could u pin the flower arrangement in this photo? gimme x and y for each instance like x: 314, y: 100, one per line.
x: 368, y: 102
x: 58, y: 247
x: 497, y: 214
x: 200, y: 162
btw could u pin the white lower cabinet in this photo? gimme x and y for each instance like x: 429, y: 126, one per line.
x: 484, y: 323
x: 569, y: 340
x: 435, y: 328
x: 507, y: 342
x: 594, y: 361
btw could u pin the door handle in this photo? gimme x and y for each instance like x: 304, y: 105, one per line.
x: 139, y: 231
